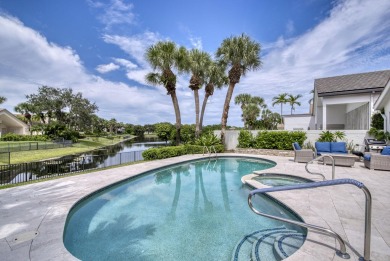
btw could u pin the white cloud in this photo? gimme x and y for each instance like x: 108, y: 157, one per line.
x: 126, y: 63
x: 354, y: 38
x: 115, y: 13
x: 196, y: 42
x: 28, y: 60
x: 105, y: 68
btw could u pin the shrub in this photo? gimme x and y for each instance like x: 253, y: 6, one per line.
x: 329, y: 136
x: 208, y: 139
x: 17, y: 137
x: 174, y: 151
x: 377, y: 121
x: 245, y: 139
x: 280, y: 140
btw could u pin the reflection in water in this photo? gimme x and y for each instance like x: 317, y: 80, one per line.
x: 160, y: 218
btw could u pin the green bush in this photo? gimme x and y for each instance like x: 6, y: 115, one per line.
x: 174, y: 151
x: 208, y: 139
x: 245, y: 139
x: 17, y: 137
x: 280, y: 140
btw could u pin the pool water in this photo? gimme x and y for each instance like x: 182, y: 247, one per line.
x: 275, y: 180
x: 192, y: 211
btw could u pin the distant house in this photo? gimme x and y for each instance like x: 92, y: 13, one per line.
x: 383, y: 103
x: 10, y: 124
x: 343, y: 102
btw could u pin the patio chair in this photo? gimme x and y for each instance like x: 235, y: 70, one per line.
x: 358, y: 150
x: 378, y: 161
x: 302, y: 155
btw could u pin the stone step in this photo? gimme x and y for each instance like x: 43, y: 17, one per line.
x: 243, y: 248
x: 286, y: 245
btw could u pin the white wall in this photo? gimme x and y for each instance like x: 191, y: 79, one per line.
x: 297, y: 122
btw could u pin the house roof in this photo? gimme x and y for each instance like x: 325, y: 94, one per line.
x: 352, y: 83
x: 385, y: 96
x: 8, y: 119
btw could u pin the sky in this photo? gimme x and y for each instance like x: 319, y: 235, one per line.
x: 97, y: 48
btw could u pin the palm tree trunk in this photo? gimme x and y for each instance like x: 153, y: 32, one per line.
x: 202, y: 112
x: 225, y: 112
x: 197, y: 129
x: 177, y: 114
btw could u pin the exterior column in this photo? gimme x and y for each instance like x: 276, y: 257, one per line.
x: 324, y: 116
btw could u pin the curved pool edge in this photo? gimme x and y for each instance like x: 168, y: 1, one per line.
x: 52, y: 200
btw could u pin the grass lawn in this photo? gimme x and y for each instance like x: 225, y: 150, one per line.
x: 82, y: 146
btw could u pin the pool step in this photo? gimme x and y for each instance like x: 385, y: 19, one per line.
x: 286, y: 245
x: 261, y: 244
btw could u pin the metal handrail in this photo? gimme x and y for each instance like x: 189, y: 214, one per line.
x: 317, y: 159
x: 342, y: 252
x: 209, y: 151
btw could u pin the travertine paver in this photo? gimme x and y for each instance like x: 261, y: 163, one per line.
x: 43, y: 207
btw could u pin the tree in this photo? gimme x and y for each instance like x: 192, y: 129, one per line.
x: 2, y: 99
x: 163, y: 58
x: 292, y: 100
x: 164, y: 130
x: 240, y: 54
x: 250, y: 107
x: 280, y: 99
x: 269, y: 120
x: 197, y: 63
x: 214, y: 77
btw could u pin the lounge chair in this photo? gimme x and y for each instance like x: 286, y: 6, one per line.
x: 380, y: 161
x: 302, y: 155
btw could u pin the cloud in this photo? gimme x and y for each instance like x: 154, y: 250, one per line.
x: 116, y: 12
x: 196, y: 42
x: 354, y: 38
x: 290, y: 27
x: 29, y: 61
x: 126, y: 63
x: 105, y: 68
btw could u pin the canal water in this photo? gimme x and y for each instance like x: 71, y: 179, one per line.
x: 117, y: 154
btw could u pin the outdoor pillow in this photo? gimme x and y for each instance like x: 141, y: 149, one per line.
x: 296, y: 146
x: 338, y: 147
x: 367, y: 157
x: 322, y: 147
x: 386, y: 151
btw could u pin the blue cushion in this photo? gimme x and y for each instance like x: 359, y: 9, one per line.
x: 322, y: 147
x: 386, y: 151
x: 338, y: 147
x: 367, y: 157
x: 296, y: 146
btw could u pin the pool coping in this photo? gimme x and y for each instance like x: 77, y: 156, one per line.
x: 44, y: 207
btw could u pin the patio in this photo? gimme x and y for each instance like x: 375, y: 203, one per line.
x: 43, y: 207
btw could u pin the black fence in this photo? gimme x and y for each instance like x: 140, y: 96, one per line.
x: 25, y: 172
x: 26, y: 146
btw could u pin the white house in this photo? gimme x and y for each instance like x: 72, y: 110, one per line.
x: 343, y: 102
x: 383, y: 102
x: 10, y: 124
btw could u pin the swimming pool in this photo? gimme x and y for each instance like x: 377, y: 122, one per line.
x: 196, y: 210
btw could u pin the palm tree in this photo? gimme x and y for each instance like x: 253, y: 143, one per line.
x: 280, y: 99
x: 196, y: 63
x: 241, y: 54
x: 215, y: 77
x: 164, y: 57
x: 250, y: 107
x: 292, y: 100
x: 2, y: 99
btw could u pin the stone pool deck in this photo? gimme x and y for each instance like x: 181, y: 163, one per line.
x: 32, y: 217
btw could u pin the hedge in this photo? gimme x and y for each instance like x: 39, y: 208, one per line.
x: 17, y: 137
x: 279, y: 140
x: 174, y: 151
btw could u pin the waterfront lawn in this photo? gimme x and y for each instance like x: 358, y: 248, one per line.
x: 82, y: 146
